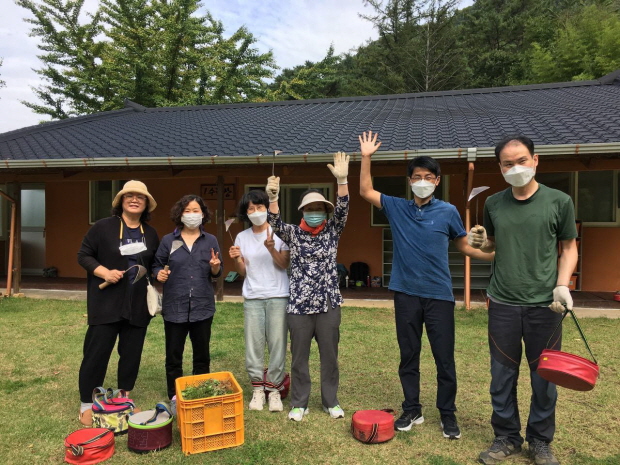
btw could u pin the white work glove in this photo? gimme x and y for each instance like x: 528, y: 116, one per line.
x: 477, y: 237
x: 273, y: 188
x: 340, y: 168
x: 561, y: 297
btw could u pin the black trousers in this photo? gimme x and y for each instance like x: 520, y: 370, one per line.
x: 176, y: 334
x: 508, y: 326
x: 412, y: 313
x: 98, y: 345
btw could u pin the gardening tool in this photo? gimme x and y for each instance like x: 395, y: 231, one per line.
x: 228, y: 223
x: 141, y: 272
x: 273, y: 163
x: 474, y: 192
x: 173, y: 248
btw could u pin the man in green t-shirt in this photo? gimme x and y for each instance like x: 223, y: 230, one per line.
x: 524, y: 225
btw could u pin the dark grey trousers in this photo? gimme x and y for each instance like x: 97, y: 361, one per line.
x: 508, y: 326
x: 325, y: 328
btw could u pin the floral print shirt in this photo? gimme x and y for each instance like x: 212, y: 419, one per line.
x: 313, y: 275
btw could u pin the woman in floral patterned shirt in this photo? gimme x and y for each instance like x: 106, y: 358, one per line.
x: 314, y: 304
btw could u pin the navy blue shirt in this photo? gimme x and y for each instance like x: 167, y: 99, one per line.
x: 188, y: 293
x: 421, y: 236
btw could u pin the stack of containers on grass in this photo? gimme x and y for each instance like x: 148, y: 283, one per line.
x: 211, y: 423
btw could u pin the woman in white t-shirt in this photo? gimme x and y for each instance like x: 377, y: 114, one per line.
x: 262, y: 258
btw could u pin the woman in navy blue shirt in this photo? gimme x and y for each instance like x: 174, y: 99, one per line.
x: 188, y: 302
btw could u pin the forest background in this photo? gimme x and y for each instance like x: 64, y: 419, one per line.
x: 161, y: 53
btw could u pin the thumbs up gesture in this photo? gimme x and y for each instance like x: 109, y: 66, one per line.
x: 270, y: 243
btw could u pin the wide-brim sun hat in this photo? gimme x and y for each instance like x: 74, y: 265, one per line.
x: 137, y: 187
x: 315, y: 197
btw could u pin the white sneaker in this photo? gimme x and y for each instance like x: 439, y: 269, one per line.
x: 297, y: 413
x: 334, y: 412
x: 275, y: 401
x: 258, y: 400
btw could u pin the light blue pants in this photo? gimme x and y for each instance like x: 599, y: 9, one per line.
x: 265, y: 323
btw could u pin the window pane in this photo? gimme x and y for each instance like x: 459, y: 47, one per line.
x: 101, y: 195
x: 559, y: 181
x: 395, y: 186
x: 596, y: 197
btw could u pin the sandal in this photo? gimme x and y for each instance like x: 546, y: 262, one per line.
x: 86, y: 417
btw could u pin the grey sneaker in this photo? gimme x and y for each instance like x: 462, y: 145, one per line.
x: 408, y: 419
x: 540, y: 452
x: 501, y: 449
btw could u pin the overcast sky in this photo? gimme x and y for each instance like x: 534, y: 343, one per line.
x: 295, y: 30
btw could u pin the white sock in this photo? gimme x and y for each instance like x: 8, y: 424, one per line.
x: 85, y: 406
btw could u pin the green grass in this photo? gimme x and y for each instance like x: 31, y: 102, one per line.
x: 40, y: 352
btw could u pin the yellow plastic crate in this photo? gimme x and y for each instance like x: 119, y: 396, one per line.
x: 211, y: 423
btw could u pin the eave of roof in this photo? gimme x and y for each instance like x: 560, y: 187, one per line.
x: 466, y: 154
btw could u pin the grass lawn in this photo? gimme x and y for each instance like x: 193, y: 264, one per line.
x: 40, y: 352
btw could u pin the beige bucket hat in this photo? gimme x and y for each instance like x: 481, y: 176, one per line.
x: 137, y: 187
x: 316, y: 197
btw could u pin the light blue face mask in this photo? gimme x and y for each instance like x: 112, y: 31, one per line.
x: 313, y: 219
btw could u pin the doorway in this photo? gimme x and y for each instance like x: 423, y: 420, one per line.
x: 33, y: 229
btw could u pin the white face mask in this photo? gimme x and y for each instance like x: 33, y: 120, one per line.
x: 519, y: 175
x: 191, y: 220
x: 132, y: 248
x: 258, y: 218
x: 423, y: 188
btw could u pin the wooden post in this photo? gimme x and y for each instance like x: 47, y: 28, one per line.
x: 220, y: 234
x: 17, y: 258
x: 9, y: 273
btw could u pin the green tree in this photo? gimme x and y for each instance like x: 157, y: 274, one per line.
x: 585, y: 46
x: 417, y: 49
x: 154, y: 52
x: 322, y: 79
x: 2, y: 83
x: 495, y: 40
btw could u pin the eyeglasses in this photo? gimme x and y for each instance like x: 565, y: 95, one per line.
x: 257, y: 208
x: 140, y: 197
x: 428, y: 177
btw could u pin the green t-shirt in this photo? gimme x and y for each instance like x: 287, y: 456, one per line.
x: 526, y: 235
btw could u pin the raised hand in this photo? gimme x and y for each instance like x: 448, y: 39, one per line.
x: 340, y: 168
x: 368, y: 143
x: 273, y: 188
x: 215, y: 260
x: 270, y: 243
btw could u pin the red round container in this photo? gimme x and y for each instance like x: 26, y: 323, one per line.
x: 567, y: 370
x: 89, y: 446
x: 372, y: 426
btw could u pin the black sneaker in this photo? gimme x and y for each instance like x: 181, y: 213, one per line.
x: 450, y: 427
x: 501, y: 449
x: 408, y: 419
x: 540, y: 451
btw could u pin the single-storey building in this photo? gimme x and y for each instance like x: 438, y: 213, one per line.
x: 64, y: 174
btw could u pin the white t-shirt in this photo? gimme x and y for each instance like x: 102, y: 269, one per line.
x: 263, y: 278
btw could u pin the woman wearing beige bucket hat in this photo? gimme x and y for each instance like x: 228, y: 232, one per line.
x: 313, y: 310
x: 109, y: 253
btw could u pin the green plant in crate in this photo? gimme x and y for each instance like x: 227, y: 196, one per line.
x: 207, y: 388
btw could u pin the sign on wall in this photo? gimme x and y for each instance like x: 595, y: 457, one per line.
x: 209, y: 191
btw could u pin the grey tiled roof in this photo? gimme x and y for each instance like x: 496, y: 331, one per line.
x: 564, y: 113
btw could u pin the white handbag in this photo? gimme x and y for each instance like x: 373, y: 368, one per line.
x: 153, y: 299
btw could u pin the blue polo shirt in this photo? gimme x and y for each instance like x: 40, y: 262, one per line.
x: 421, y: 236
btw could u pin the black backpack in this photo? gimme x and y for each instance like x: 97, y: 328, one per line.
x: 342, y: 274
x: 359, y: 272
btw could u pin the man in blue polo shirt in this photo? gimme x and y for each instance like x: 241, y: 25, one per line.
x: 421, y: 231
